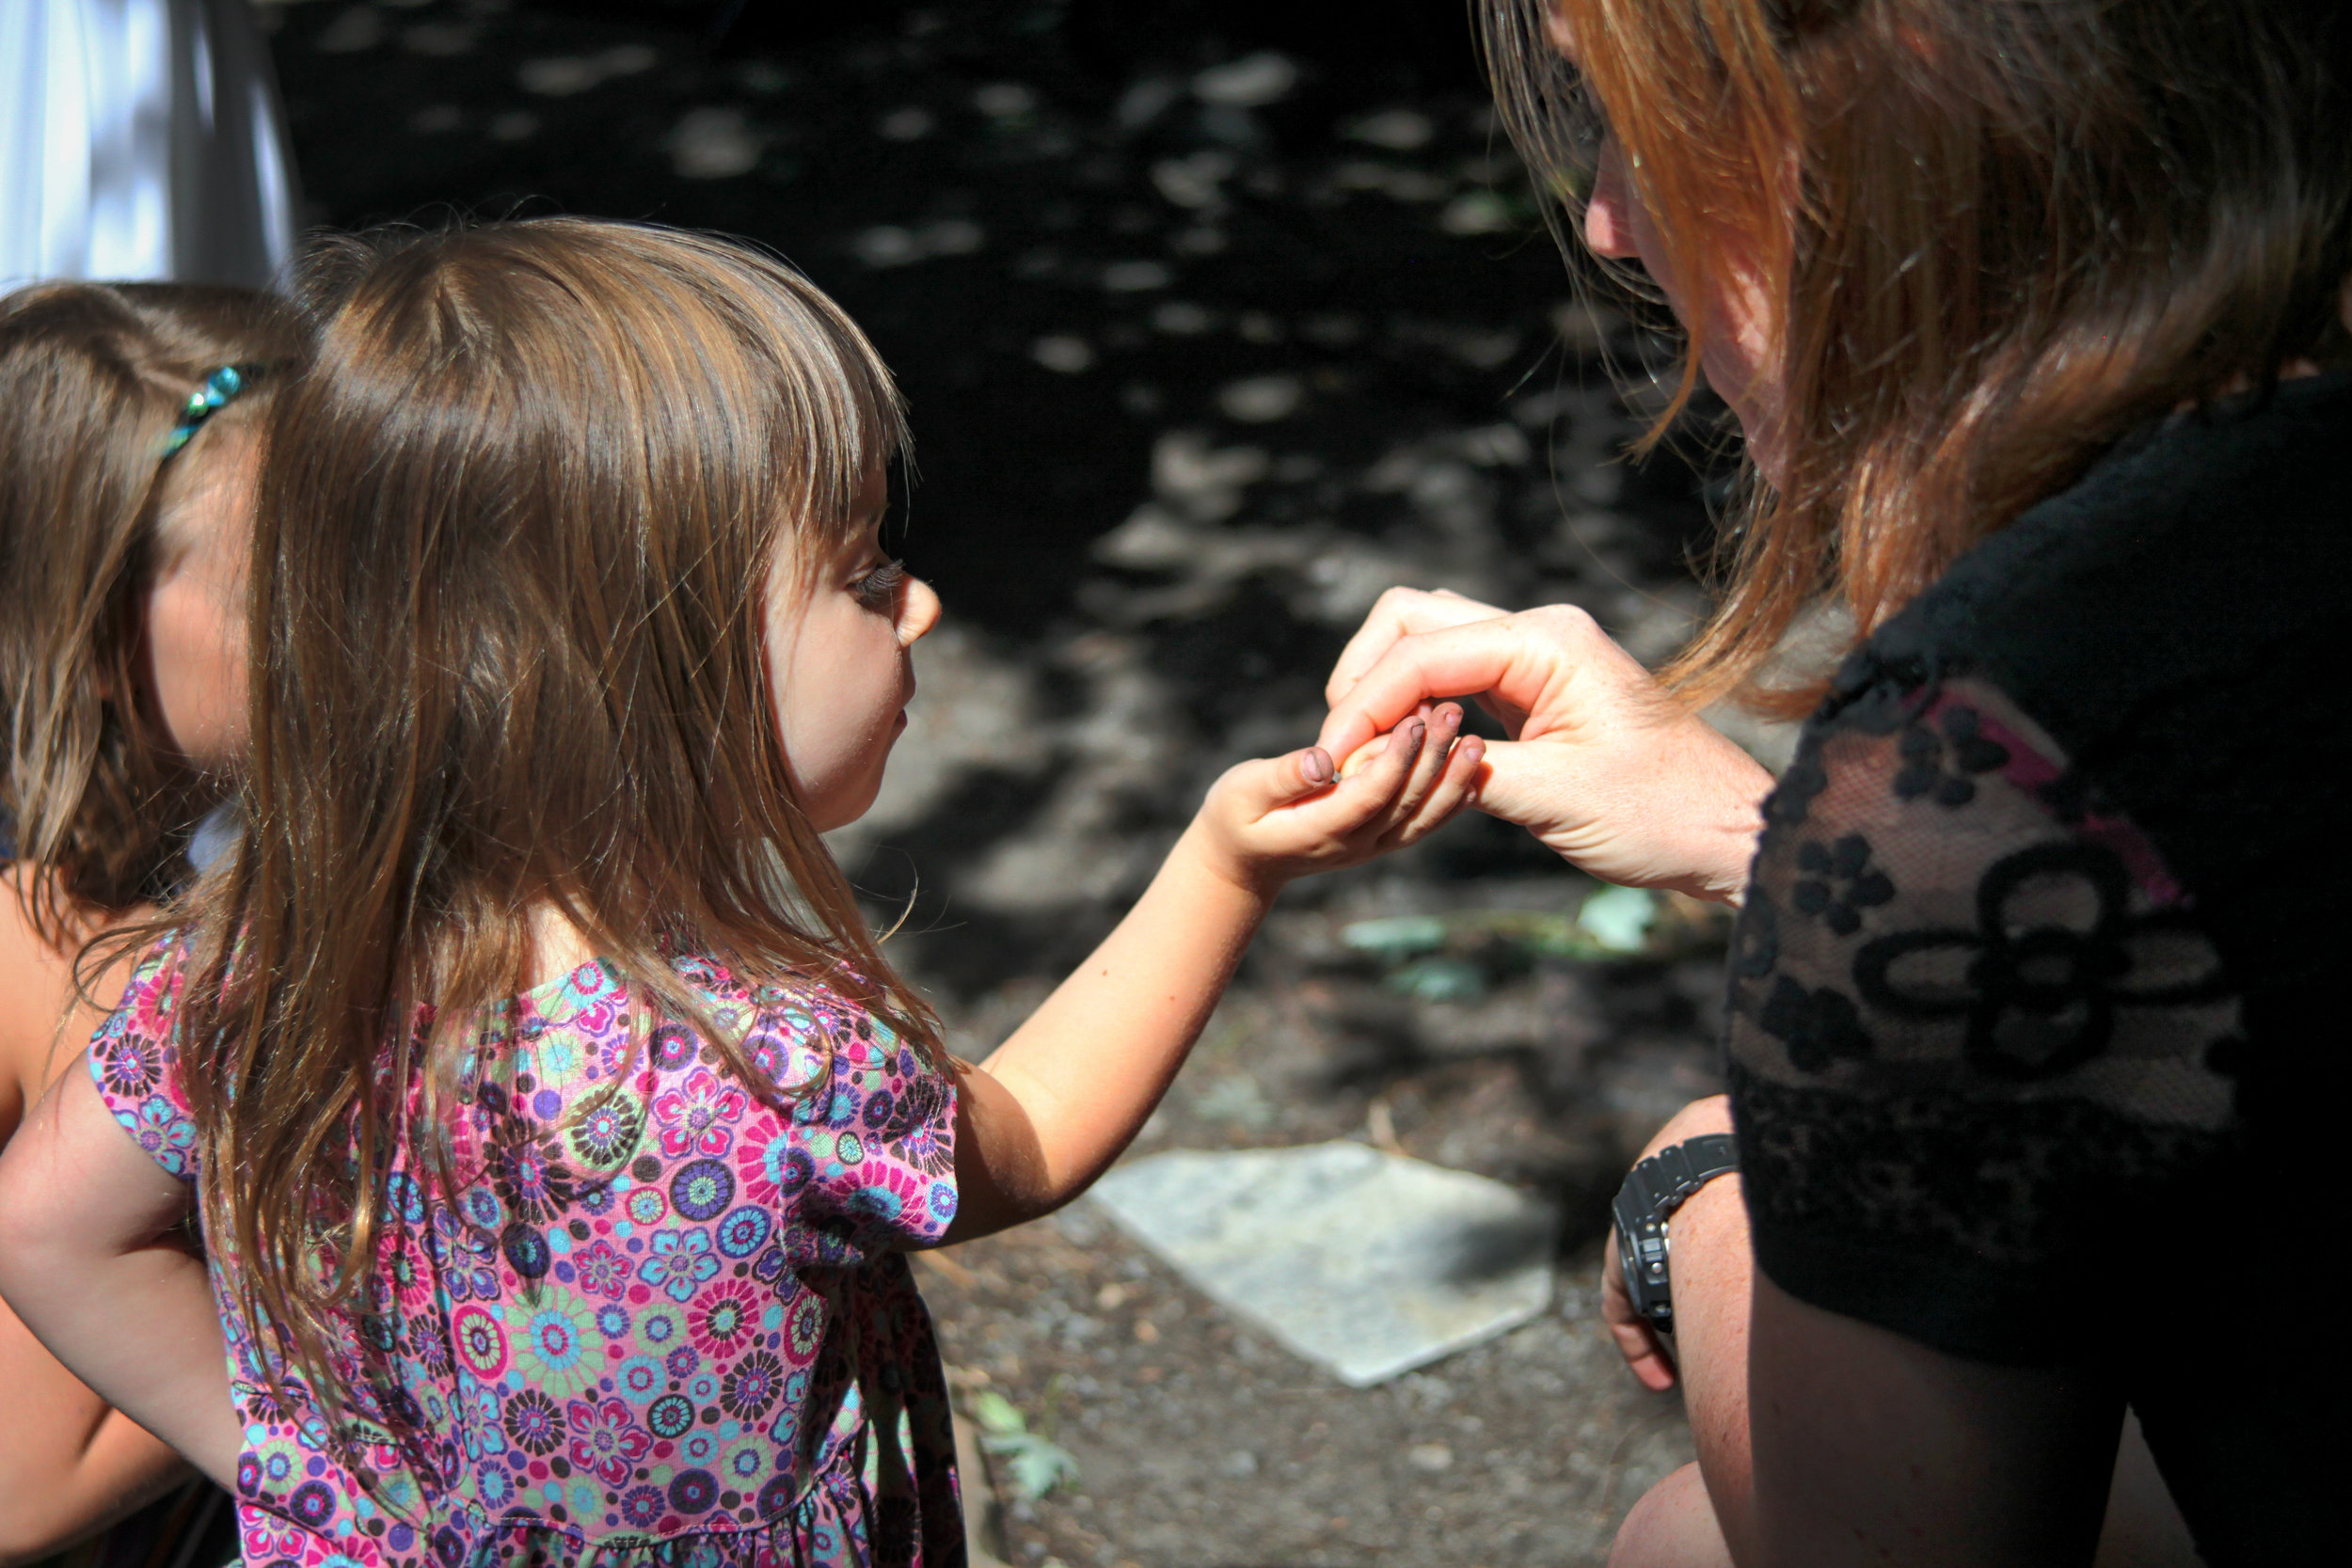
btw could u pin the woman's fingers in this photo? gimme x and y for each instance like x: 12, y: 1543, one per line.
x: 1517, y: 659
x: 1399, y: 612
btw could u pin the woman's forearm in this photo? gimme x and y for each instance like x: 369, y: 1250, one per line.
x: 1058, y: 1100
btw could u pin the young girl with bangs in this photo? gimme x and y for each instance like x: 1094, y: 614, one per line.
x: 558, y: 1128
x: 128, y: 421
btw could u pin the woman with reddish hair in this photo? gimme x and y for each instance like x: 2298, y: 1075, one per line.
x: 2033, y: 316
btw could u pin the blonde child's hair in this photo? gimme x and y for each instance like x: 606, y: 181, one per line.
x: 516, y: 524
x: 93, y: 378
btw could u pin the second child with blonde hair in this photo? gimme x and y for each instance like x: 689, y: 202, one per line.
x: 558, y: 1127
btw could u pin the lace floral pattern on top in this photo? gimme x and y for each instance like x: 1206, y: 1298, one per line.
x: 661, y: 1320
x: 1971, y: 1007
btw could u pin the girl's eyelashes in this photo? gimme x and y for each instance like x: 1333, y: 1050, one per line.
x: 879, y: 588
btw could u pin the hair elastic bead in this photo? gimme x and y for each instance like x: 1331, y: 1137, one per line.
x: 222, y: 386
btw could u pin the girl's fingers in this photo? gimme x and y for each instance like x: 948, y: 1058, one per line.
x: 1442, y: 726
x: 1454, y: 788
x: 1277, y: 782
x: 1372, y: 790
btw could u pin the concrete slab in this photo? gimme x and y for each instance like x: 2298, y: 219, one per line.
x: 1366, y: 1264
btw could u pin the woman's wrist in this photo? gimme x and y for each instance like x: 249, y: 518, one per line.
x: 1725, y: 840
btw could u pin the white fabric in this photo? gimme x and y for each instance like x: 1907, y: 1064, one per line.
x: 218, y: 833
x: 140, y: 139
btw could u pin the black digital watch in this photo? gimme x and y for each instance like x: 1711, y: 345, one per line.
x: 1653, y: 1190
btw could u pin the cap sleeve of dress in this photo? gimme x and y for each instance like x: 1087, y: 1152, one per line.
x: 1979, y: 1042
x: 134, y: 1059
x: 864, y: 1155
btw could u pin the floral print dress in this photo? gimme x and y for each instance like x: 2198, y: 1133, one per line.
x: 661, y: 1320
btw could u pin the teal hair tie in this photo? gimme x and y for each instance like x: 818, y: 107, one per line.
x: 222, y: 386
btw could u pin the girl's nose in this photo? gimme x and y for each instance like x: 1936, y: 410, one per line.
x: 918, y: 612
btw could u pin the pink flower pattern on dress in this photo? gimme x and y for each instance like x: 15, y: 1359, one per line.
x: 698, y: 1117
x: 605, y: 1440
x: 661, y: 1320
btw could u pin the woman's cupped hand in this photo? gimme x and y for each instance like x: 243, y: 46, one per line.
x: 1602, y: 763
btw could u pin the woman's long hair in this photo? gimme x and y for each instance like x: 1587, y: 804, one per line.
x: 517, y: 523
x: 1995, y: 236
x: 92, y: 377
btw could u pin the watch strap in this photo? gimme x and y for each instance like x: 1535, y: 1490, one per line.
x: 1653, y: 1190
x: 1669, y: 1177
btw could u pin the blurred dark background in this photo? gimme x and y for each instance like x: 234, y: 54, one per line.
x: 972, y: 179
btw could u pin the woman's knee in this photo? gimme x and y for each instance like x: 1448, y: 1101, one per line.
x: 1672, y: 1527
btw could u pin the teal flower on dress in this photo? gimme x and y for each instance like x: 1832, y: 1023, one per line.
x: 640, y: 1378
x: 164, y: 1133
x: 681, y: 1260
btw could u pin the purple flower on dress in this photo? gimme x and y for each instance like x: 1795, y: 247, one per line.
x: 744, y: 1232
x: 128, y: 1065
x: 751, y: 1386
x: 533, y: 1422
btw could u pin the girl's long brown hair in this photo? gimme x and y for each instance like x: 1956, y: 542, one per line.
x: 516, y: 526
x: 92, y: 377
x: 1994, y: 236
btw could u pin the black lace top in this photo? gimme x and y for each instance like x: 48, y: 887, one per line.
x: 2038, y: 998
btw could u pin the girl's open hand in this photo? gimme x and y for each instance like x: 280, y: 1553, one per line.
x: 1268, y: 822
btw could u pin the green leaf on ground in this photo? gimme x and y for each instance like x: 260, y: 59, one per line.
x: 996, y: 1415
x: 1395, y: 939
x: 1441, y: 980
x: 1619, y: 918
x: 1038, y: 1465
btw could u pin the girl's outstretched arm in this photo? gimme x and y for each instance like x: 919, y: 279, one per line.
x: 90, y: 1263
x: 1056, y: 1103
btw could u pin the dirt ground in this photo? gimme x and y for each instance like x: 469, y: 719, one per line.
x: 1214, y: 320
